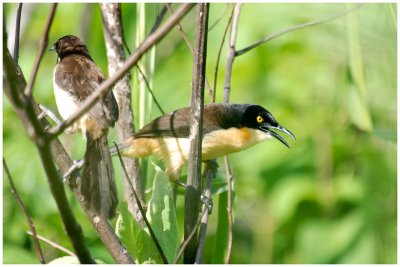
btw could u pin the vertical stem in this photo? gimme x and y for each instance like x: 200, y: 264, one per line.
x: 122, y: 91
x: 231, y: 53
x: 17, y: 30
x: 192, y: 192
x: 227, y: 91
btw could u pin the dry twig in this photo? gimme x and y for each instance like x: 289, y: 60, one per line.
x: 38, y: 249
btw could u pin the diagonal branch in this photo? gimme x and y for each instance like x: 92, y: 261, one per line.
x: 28, y: 217
x: 13, y: 79
x: 52, y: 243
x: 293, y: 28
x: 130, y: 62
x: 43, y: 45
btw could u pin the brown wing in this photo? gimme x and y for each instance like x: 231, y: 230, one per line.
x: 80, y: 77
x: 176, y: 124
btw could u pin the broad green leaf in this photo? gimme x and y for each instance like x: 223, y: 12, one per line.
x: 125, y: 230
x: 162, y: 216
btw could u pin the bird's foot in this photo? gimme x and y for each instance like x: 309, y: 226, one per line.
x: 78, y: 164
x: 47, y: 112
x: 207, y: 201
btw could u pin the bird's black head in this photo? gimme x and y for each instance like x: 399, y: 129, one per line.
x: 70, y: 44
x: 257, y: 117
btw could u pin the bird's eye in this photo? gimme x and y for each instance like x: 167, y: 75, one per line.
x: 260, y: 119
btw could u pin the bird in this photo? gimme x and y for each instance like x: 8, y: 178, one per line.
x: 227, y: 128
x: 76, y: 76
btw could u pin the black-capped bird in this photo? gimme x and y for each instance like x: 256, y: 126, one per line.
x: 76, y: 77
x: 227, y: 128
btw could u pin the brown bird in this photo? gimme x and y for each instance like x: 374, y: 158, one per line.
x: 227, y: 128
x: 76, y: 77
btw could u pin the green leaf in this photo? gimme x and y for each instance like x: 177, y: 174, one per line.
x: 359, y: 112
x: 127, y: 230
x: 327, y: 241
x: 221, y: 235
x: 162, y: 216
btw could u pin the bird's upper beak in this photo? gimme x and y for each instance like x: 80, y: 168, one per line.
x: 53, y: 48
x: 267, y: 129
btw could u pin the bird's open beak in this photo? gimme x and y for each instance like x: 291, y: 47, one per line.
x: 268, y: 128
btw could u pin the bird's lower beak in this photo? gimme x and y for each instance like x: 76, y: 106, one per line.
x: 52, y: 49
x: 267, y: 129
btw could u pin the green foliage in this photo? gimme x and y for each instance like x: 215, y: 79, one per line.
x: 162, y: 218
x: 331, y: 198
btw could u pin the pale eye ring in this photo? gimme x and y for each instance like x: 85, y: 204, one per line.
x: 260, y: 119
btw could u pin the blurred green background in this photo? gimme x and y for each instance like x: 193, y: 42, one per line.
x: 331, y: 198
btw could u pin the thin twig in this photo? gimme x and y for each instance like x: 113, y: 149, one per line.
x: 293, y: 28
x: 229, y: 208
x: 27, y: 216
x: 186, y: 39
x: 192, y: 190
x: 43, y: 45
x: 187, y: 240
x: 17, y: 31
x: 180, y: 29
x: 152, y: 234
x: 209, y: 171
x: 159, y: 18
x: 150, y: 90
x: 52, y: 243
x: 131, y: 61
x: 231, y: 52
x: 227, y: 91
x: 219, y: 54
x: 218, y: 20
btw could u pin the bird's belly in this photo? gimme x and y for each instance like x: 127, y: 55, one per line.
x: 66, y: 105
x: 223, y: 142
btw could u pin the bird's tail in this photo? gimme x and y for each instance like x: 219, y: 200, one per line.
x: 98, y: 184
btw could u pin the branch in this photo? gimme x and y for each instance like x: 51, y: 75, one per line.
x: 186, y: 39
x: 227, y: 91
x: 219, y: 53
x: 131, y: 61
x: 210, y: 170
x: 122, y: 90
x: 17, y: 31
x: 27, y: 216
x: 43, y: 45
x: 293, y: 28
x: 192, y: 190
x: 64, y: 162
x: 230, y: 217
x: 142, y: 211
x: 186, y: 241
x: 51, y: 243
x: 14, y: 80
x: 231, y: 53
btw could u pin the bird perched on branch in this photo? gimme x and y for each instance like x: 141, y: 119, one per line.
x: 76, y: 77
x: 227, y: 128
